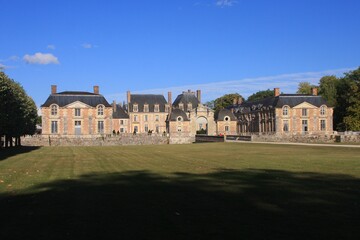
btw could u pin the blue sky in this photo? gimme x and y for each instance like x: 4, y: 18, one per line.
x: 155, y: 46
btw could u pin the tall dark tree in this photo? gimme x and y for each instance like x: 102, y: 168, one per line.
x: 260, y: 95
x: 352, y: 116
x: 18, y: 112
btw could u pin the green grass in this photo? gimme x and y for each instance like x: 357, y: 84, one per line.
x: 199, y: 191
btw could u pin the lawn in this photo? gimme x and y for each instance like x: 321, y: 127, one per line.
x: 198, y: 191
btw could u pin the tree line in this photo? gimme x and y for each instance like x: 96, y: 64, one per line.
x: 342, y: 93
x: 18, y: 112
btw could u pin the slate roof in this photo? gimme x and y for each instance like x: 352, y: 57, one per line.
x: 65, y: 98
x: 291, y: 100
x: 223, y: 113
x: 150, y: 99
x: 120, y: 113
x: 175, y: 113
x: 185, y: 98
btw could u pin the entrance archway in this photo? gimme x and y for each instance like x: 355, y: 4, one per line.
x: 202, y: 124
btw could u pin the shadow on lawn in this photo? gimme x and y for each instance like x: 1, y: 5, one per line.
x: 226, y: 204
x: 12, y: 151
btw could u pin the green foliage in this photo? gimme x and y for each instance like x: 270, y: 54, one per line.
x: 305, y: 88
x: 328, y: 89
x: 18, y: 113
x: 352, y: 116
x: 226, y: 101
x: 260, y: 95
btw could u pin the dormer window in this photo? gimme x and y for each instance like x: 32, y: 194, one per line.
x: 226, y: 118
x: 179, y: 119
x: 156, y: 108
x: 100, y: 110
x: 146, y: 108
x: 166, y: 108
x: 285, y: 110
x: 54, y: 110
x: 135, y: 108
x: 322, y: 110
x: 189, y: 106
x: 181, y: 106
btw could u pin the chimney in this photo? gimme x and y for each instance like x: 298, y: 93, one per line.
x: 169, y: 98
x: 114, y: 106
x: 276, y: 92
x: 235, y: 101
x: 128, y: 98
x: 314, y: 91
x: 53, y: 89
x: 96, y: 89
x: 198, y: 95
x: 240, y: 100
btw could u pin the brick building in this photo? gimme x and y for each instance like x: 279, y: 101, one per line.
x: 72, y: 113
x: 285, y: 114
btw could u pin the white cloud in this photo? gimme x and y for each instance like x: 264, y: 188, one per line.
x: 50, y: 46
x: 87, y: 45
x: 2, y: 66
x: 225, y: 3
x: 41, y: 58
x: 287, y: 83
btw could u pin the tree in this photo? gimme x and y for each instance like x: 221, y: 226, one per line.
x: 328, y: 89
x: 226, y: 101
x: 305, y: 88
x: 352, y: 115
x: 18, y: 111
x: 260, y: 95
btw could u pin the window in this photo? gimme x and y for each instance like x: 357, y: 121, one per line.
x: 285, y: 110
x: 157, y: 118
x: 146, y: 108
x: 121, y: 122
x: 166, y: 108
x: 54, y: 126
x: 179, y: 119
x: 135, y: 108
x: 100, y: 110
x: 145, y: 118
x: 136, y: 129
x: 304, y: 125
x: 156, y: 108
x: 322, y: 110
x: 322, y: 125
x: 189, y: 106
x: 77, y: 112
x: 100, y: 126
x: 304, y: 112
x: 226, y: 128
x: 179, y: 129
x: 181, y: 106
x: 286, y: 125
x: 121, y: 130
x: 135, y: 118
x: 157, y: 128
x: 146, y: 128
x: 226, y: 118
x: 54, y: 110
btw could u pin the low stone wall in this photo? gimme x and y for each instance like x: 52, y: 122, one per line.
x: 332, y: 138
x: 205, y: 138
x: 95, y: 141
